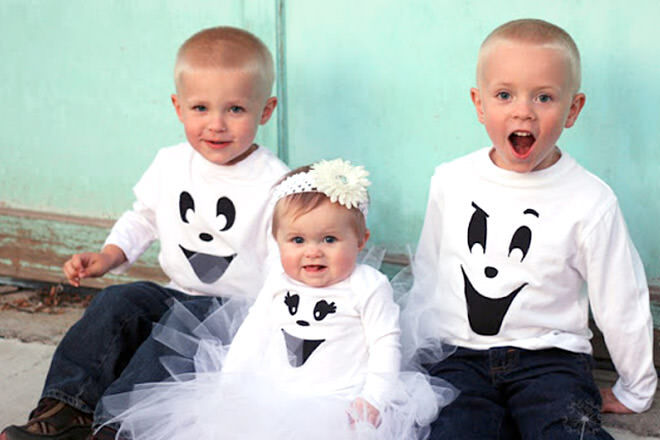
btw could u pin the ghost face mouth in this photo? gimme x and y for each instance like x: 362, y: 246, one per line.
x: 522, y: 143
x: 300, y: 350
x: 208, y: 268
x: 486, y: 314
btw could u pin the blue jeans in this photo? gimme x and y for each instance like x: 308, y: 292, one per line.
x: 510, y: 393
x: 109, y: 349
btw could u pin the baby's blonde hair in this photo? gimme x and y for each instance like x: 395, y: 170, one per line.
x: 228, y: 48
x: 530, y: 30
x: 301, y: 203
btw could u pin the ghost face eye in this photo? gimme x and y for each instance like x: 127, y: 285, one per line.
x: 292, y: 302
x: 521, y: 240
x: 323, y: 309
x: 186, y: 203
x: 477, y: 228
x: 225, y: 208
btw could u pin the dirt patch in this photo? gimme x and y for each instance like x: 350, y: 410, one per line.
x: 48, y: 299
x: 41, y: 314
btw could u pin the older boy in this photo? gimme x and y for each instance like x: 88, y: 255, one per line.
x: 204, y: 200
x: 511, y: 234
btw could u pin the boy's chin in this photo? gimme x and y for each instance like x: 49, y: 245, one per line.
x: 509, y: 161
x: 226, y: 156
x: 524, y: 161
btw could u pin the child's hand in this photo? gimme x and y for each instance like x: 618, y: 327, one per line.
x: 92, y: 264
x: 611, y: 404
x: 361, y: 410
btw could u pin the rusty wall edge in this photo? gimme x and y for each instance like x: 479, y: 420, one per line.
x: 35, y: 245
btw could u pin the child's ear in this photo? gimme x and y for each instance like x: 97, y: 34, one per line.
x: 476, y: 100
x: 574, y: 111
x: 361, y: 244
x: 268, y: 110
x: 177, y: 106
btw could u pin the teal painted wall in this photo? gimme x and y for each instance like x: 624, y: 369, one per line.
x: 86, y: 86
x: 85, y: 96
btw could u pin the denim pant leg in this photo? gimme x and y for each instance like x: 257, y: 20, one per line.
x: 145, y: 365
x: 552, y: 395
x: 96, y: 349
x: 479, y: 412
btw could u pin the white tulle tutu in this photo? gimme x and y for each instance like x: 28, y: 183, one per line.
x: 211, y: 404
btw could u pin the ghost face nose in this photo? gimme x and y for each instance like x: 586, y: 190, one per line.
x: 490, y: 272
x: 205, y: 237
x: 302, y: 323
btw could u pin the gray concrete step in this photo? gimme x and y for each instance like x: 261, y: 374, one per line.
x: 31, y: 325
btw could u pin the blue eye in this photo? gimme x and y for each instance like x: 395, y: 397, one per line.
x: 544, y: 98
x: 236, y: 109
x: 503, y: 95
x: 199, y: 108
x: 329, y: 239
x: 298, y: 240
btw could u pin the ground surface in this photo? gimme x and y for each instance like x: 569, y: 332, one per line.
x: 33, y: 318
x: 39, y: 315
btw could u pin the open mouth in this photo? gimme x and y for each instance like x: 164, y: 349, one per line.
x: 314, y: 268
x: 521, y: 142
x: 300, y: 349
x: 208, y: 268
x: 486, y: 315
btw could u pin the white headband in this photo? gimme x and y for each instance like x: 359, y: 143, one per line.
x: 342, y: 182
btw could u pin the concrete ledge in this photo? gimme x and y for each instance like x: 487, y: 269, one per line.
x: 645, y: 425
x: 29, y: 363
x: 21, y: 383
x: 28, y: 339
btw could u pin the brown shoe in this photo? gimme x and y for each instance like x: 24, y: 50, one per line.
x: 52, y: 420
x: 105, y: 433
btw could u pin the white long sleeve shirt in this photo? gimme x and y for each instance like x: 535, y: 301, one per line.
x: 503, y: 258
x: 211, y: 220
x: 340, y: 340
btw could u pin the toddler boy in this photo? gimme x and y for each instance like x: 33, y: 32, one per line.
x: 511, y: 234
x: 205, y: 201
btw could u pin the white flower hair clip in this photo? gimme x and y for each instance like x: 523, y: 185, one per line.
x: 342, y: 182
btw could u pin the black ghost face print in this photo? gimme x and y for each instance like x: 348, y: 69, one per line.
x: 486, y: 314
x: 299, y: 349
x: 208, y: 268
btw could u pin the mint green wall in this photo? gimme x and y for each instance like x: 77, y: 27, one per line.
x: 85, y: 92
x: 387, y: 84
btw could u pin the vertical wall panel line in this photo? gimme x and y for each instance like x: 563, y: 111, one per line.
x: 282, y: 113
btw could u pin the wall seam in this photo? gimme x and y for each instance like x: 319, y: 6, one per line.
x: 281, y: 83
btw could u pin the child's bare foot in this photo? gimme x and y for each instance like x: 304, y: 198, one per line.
x: 611, y: 404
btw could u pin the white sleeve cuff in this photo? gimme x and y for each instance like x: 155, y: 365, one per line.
x: 633, y: 401
x: 133, y: 233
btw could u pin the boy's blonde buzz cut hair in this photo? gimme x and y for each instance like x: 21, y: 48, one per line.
x: 228, y: 48
x: 531, y: 30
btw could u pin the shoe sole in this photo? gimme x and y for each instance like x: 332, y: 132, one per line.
x: 73, y: 433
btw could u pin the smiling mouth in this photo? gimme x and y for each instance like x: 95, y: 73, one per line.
x: 522, y: 142
x: 217, y: 144
x: 208, y: 268
x: 486, y: 314
x: 300, y: 350
x: 314, y: 268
